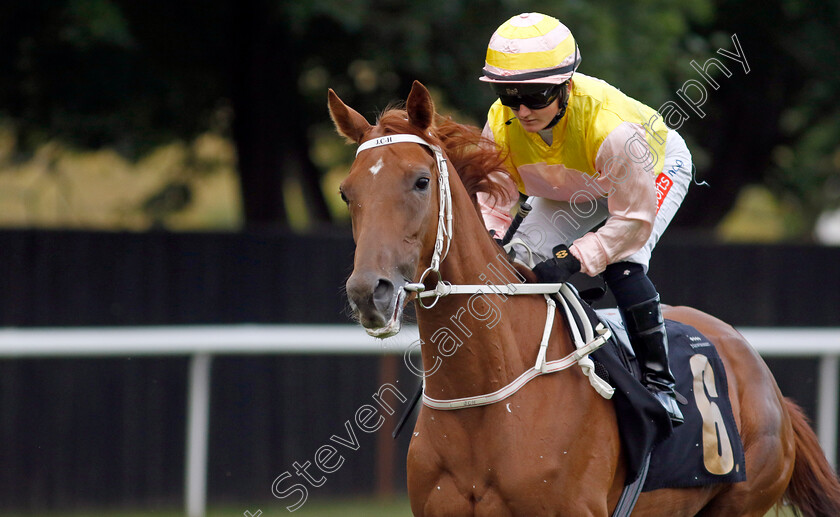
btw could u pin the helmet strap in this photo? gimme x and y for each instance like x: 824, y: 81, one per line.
x: 564, y: 103
x: 557, y: 117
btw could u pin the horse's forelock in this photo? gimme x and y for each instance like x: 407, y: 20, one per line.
x: 394, y: 120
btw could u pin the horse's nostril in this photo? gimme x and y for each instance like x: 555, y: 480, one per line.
x: 383, y: 294
x: 372, y: 297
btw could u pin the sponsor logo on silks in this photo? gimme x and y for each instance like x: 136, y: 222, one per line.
x: 663, y: 185
x: 561, y: 254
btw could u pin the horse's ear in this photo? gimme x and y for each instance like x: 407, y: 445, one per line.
x: 421, y: 109
x: 348, y: 122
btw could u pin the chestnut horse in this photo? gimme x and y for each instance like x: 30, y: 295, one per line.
x: 553, y: 447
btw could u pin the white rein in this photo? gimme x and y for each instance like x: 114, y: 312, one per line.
x: 584, y: 344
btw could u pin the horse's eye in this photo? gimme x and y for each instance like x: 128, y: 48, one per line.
x: 421, y: 183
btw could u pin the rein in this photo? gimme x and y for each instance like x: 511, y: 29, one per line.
x: 586, y: 340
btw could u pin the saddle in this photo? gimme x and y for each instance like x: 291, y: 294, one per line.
x: 704, y: 450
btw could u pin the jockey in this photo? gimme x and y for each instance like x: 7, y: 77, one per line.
x: 589, y: 154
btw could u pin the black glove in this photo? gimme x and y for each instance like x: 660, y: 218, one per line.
x: 557, y: 270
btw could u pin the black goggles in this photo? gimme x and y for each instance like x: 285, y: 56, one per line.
x: 532, y: 96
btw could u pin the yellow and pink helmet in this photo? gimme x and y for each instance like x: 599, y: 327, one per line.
x: 531, y: 48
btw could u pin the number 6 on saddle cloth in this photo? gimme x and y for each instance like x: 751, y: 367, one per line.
x: 704, y: 450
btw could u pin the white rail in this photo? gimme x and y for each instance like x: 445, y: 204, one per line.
x: 202, y: 342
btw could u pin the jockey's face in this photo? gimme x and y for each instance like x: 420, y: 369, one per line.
x: 534, y: 104
x: 534, y: 120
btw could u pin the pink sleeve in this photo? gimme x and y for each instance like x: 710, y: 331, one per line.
x: 625, y: 165
x: 496, y: 212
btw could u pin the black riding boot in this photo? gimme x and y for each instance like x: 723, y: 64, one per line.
x: 646, y: 329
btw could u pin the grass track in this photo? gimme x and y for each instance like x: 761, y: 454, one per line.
x: 397, y: 507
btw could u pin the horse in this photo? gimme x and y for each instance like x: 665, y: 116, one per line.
x: 553, y: 447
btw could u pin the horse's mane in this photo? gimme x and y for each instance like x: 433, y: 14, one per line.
x: 473, y: 156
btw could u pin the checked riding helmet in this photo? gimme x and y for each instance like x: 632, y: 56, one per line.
x: 529, y: 60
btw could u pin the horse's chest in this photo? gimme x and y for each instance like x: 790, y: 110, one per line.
x: 452, y: 494
x: 506, y: 470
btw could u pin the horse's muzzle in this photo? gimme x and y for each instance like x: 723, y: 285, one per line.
x: 378, y: 302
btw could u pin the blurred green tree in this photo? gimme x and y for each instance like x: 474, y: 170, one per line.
x: 778, y: 124
x: 135, y: 74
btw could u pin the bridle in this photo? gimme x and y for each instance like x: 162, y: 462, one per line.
x: 587, y: 339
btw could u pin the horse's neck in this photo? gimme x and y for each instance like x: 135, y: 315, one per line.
x: 476, y: 344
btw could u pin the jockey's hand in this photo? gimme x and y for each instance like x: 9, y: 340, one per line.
x: 557, y: 270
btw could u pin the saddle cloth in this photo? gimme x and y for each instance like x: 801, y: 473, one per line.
x: 704, y: 450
